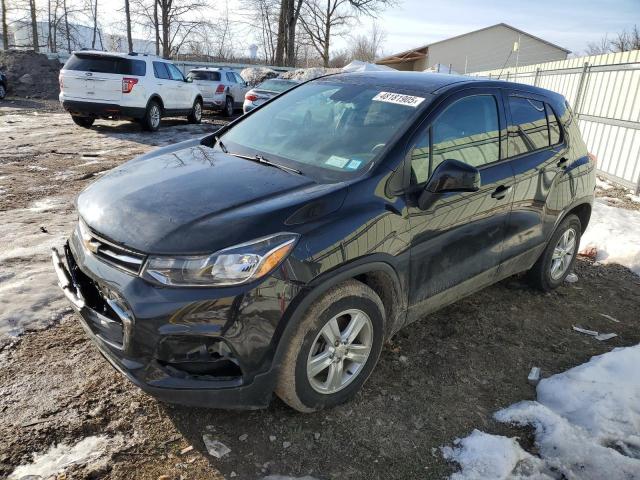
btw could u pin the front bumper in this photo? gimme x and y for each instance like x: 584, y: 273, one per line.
x: 143, y: 331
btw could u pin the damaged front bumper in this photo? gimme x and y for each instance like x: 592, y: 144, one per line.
x: 200, y: 347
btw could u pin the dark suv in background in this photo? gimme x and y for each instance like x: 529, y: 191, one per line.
x: 280, y: 252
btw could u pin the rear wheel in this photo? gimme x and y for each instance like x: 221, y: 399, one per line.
x: 196, y: 112
x: 151, y: 119
x: 228, y: 107
x: 557, y: 260
x: 85, y: 122
x: 334, y: 348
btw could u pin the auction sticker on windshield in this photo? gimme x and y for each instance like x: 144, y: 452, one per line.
x: 398, y: 99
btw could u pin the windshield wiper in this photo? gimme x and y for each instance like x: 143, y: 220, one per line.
x: 261, y: 159
x: 220, y: 144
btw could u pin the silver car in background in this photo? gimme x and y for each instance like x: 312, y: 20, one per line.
x: 265, y: 91
x: 222, y: 88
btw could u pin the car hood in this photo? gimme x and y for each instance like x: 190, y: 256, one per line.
x: 197, y: 200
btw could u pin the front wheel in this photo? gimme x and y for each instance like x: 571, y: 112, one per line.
x: 557, y: 260
x: 84, y: 122
x: 334, y: 348
x: 196, y: 112
x: 151, y: 119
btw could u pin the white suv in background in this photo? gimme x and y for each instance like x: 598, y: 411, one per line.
x: 222, y: 88
x: 126, y: 86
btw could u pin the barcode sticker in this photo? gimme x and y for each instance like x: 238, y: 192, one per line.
x: 398, y: 99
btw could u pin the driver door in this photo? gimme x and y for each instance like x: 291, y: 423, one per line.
x: 457, y: 241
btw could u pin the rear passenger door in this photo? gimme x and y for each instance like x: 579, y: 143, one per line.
x: 164, y: 84
x: 456, y: 242
x: 537, y: 154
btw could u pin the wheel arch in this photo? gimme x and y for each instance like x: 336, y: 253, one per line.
x: 157, y: 98
x: 583, y: 212
x: 377, y: 274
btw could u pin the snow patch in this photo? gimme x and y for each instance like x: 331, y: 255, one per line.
x: 603, y: 184
x: 615, y: 234
x: 29, y: 296
x: 61, y: 456
x: 633, y: 198
x: 306, y: 74
x: 587, y: 426
x: 256, y: 75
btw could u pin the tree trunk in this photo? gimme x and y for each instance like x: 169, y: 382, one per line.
x: 95, y: 24
x: 128, y: 15
x: 156, y: 26
x: 282, y: 33
x: 34, y: 26
x: 5, y: 29
x: 166, y: 47
x: 66, y: 25
x: 294, y: 14
x: 327, y: 36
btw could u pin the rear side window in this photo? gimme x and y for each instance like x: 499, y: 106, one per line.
x: 106, y: 64
x: 530, y: 131
x: 160, y: 70
x: 468, y: 131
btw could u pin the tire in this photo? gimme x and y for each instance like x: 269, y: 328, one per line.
x: 228, y: 107
x: 152, y: 117
x: 549, y: 272
x: 196, y: 112
x: 342, y: 306
x: 85, y: 122
x: 3, y: 91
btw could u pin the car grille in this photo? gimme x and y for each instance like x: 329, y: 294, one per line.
x: 110, y: 252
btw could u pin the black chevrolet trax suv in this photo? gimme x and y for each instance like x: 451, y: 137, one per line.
x: 277, y: 254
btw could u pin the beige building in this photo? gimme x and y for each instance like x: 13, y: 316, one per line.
x: 489, y: 48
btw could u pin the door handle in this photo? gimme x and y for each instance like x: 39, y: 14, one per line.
x: 562, y: 163
x: 500, y: 192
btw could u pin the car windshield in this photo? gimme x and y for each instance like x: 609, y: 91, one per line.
x: 276, y: 85
x: 326, y: 129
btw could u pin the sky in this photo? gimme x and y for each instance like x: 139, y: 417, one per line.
x: 572, y: 24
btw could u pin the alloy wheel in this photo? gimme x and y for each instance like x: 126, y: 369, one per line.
x: 197, y: 111
x: 340, y: 351
x: 563, y: 253
x: 155, y: 116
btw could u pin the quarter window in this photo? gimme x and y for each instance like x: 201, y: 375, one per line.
x: 530, y: 131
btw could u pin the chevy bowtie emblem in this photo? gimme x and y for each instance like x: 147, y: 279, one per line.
x: 90, y: 244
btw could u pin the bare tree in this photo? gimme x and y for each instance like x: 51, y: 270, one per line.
x: 367, y: 47
x: 625, y: 41
x: 5, y: 27
x: 290, y: 11
x: 92, y: 6
x: 325, y: 19
x: 598, y: 48
x: 34, y: 26
x: 127, y: 12
x: 262, y: 16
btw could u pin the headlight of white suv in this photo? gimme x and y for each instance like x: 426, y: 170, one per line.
x: 232, y: 266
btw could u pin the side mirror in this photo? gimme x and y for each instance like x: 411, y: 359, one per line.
x: 450, y: 176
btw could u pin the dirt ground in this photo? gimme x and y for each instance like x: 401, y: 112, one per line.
x: 437, y: 380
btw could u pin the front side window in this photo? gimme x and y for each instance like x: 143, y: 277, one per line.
x: 468, y: 131
x: 174, y: 72
x: 239, y: 79
x: 231, y: 78
x: 530, y: 131
x: 330, y: 129
x: 420, y: 159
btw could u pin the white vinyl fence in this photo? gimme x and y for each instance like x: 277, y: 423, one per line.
x: 603, y: 91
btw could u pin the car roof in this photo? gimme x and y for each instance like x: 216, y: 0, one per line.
x: 134, y: 55
x: 429, y: 83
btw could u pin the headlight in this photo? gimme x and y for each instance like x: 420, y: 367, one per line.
x: 231, y: 266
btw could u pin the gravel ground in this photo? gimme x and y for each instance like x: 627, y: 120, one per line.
x: 437, y: 380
